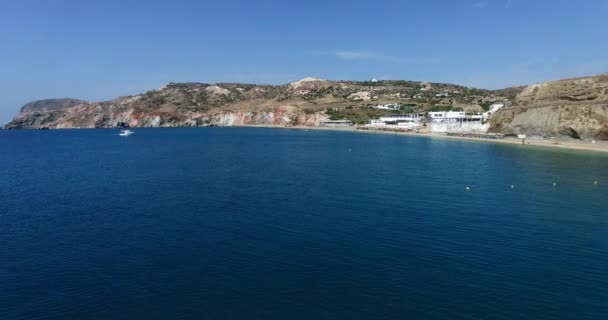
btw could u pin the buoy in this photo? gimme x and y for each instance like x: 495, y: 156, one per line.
x: 468, y: 188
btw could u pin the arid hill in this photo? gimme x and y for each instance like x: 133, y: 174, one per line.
x: 303, y: 102
x: 576, y: 108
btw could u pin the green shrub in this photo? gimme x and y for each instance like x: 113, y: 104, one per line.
x: 485, y: 105
x: 438, y: 107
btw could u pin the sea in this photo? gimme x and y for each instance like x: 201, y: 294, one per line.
x: 260, y: 223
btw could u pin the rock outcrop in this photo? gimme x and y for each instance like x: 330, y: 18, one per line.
x: 571, y: 108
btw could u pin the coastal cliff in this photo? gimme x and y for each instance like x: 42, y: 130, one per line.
x: 305, y: 102
x: 575, y: 108
x: 174, y: 105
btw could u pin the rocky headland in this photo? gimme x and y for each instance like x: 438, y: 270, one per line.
x: 573, y: 108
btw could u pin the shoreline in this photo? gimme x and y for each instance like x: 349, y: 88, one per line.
x: 599, y: 146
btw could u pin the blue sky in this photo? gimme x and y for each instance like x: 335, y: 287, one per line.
x: 98, y: 50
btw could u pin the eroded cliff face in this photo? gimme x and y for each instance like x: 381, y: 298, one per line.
x: 574, y: 108
x: 85, y: 116
x: 174, y: 105
x: 282, y: 116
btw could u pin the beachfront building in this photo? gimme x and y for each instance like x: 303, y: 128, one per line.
x: 454, y: 116
x: 446, y: 116
x: 336, y: 123
x: 456, y: 121
x: 400, y: 121
x: 410, y: 117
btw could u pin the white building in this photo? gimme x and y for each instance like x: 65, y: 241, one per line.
x: 377, y: 123
x: 444, y: 116
x: 457, y: 122
x: 412, y: 117
x: 390, y: 106
x: 336, y: 123
x: 401, y: 121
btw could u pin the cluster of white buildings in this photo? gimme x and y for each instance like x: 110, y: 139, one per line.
x: 402, y: 121
x: 435, y: 121
x: 457, y: 121
x: 453, y: 116
x: 439, y: 121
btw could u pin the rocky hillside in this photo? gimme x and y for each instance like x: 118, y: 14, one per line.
x: 49, y: 105
x: 575, y: 108
x: 304, y: 102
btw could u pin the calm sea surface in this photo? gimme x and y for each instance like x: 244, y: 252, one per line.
x: 247, y: 223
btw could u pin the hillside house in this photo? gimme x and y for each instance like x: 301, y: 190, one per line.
x: 390, y: 106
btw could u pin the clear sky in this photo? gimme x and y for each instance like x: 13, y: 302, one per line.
x: 98, y: 50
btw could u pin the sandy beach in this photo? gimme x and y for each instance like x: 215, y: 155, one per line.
x: 582, y: 145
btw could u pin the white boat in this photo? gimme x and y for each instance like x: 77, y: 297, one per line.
x: 126, y: 133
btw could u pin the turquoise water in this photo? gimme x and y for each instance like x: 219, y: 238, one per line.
x: 248, y: 223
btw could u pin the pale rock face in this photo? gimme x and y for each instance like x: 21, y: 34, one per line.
x: 360, y: 96
x: 279, y: 117
x: 308, y: 82
x: 132, y: 99
x: 216, y: 90
x: 155, y: 122
x: 529, y: 90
